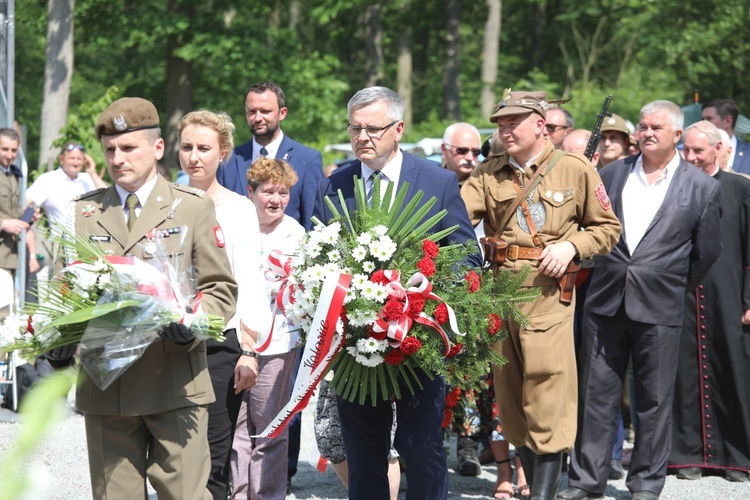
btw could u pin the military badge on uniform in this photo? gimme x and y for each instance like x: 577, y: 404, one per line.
x: 88, y: 210
x: 219, y: 236
x: 119, y: 123
x: 173, y: 208
x: 601, y: 195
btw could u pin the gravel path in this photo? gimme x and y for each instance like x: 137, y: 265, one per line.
x: 60, y: 470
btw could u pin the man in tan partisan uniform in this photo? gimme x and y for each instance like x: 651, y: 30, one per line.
x: 537, y: 390
x: 152, y: 421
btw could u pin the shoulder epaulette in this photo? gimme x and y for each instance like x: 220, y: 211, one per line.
x: 88, y: 194
x: 190, y: 190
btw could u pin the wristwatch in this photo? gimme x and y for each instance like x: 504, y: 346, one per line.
x: 252, y: 354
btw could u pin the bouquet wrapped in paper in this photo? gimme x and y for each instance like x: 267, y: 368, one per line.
x: 378, y: 300
x: 112, y: 307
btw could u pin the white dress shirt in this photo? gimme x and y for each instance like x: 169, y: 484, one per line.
x: 142, y: 194
x: 641, y: 201
x: 391, y: 172
x: 54, y: 190
x: 272, y: 148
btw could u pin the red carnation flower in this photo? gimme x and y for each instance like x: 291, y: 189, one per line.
x: 376, y: 335
x: 493, y: 324
x: 473, y: 279
x: 379, y: 277
x: 430, y: 248
x: 410, y: 346
x: 441, y: 313
x: 447, y: 419
x: 393, y: 309
x: 394, y: 357
x: 30, y: 325
x: 426, y: 266
x: 451, y: 399
x: 455, y: 350
x: 416, y: 304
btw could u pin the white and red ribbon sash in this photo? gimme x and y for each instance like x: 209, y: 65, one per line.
x: 323, y: 343
x: 397, y: 330
x: 278, y: 272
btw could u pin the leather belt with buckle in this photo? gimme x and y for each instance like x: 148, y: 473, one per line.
x: 525, y: 253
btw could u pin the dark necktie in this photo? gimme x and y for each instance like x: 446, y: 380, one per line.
x: 263, y: 151
x: 371, y: 186
x: 131, y: 202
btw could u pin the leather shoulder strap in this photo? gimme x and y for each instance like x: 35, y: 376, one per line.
x: 543, y: 170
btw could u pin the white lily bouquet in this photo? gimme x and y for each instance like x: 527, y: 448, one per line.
x: 378, y: 300
x: 111, y: 306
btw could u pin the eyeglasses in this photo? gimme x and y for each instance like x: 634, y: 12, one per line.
x: 371, y: 131
x: 552, y: 128
x: 465, y: 151
x: 71, y: 147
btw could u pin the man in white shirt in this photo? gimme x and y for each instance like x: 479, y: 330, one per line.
x: 52, y: 191
x: 635, y: 305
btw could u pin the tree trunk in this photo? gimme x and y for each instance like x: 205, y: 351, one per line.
x: 537, y: 34
x: 179, y: 84
x: 490, y: 55
x: 374, y: 43
x: 58, y: 72
x: 450, y: 79
x: 404, y: 75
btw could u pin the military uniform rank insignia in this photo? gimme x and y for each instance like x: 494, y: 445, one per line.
x: 103, y: 238
x: 219, y: 236
x: 88, y: 210
x: 601, y: 195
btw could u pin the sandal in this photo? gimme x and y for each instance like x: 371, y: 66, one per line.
x: 503, y: 492
x: 524, y: 492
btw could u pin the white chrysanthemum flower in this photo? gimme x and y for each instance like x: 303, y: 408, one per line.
x: 371, y: 345
x: 352, y: 351
x: 331, y: 269
x: 389, y: 245
x: 334, y: 255
x: 380, y: 294
x: 305, y: 323
x: 359, y: 280
x: 361, y: 359
x: 314, y: 251
x: 359, y: 253
x: 364, y: 239
x: 330, y: 234
x: 379, y: 230
x: 383, y: 248
x: 373, y: 361
x: 372, y: 290
x: 368, y: 266
x: 362, y: 318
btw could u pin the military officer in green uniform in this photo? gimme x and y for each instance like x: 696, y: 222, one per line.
x: 151, y: 422
x: 537, y: 390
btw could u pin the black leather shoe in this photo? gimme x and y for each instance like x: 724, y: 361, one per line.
x: 736, y: 476
x: 689, y: 473
x: 616, y: 471
x: 468, y: 461
x: 574, y: 493
x: 644, y: 495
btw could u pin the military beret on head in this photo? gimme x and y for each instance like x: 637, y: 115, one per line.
x: 521, y: 102
x: 126, y: 115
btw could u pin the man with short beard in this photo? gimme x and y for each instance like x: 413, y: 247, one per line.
x: 635, y: 305
x: 711, y: 411
x: 461, y: 149
x: 265, y: 109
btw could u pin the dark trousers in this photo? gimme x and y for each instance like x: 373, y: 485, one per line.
x: 294, y: 426
x: 419, y: 440
x: 222, y: 413
x: 607, y: 345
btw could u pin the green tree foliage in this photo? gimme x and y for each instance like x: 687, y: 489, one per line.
x: 637, y: 50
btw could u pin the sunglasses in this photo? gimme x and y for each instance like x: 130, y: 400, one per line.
x: 71, y: 147
x: 465, y: 151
